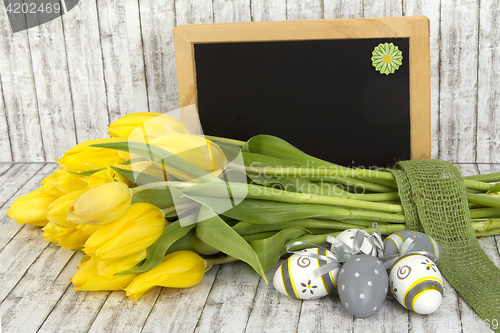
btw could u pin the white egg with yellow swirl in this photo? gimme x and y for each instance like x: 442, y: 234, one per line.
x: 296, y: 277
x: 417, y: 284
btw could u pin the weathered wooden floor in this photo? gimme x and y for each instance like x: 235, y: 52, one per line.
x: 37, y: 296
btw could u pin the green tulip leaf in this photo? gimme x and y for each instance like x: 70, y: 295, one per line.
x: 279, y: 148
x: 155, y: 253
x: 271, y: 249
x: 216, y: 233
x: 137, y: 178
x: 161, y: 198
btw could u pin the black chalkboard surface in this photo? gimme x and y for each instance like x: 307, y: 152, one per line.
x: 323, y: 96
x: 311, y: 83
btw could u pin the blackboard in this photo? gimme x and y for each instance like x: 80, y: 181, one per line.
x: 321, y: 94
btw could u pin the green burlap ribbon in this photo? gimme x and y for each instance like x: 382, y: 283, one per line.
x: 435, y: 202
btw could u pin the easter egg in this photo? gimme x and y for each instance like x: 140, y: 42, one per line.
x: 296, y: 276
x: 362, y: 285
x: 394, y: 242
x: 348, y: 237
x: 416, y: 283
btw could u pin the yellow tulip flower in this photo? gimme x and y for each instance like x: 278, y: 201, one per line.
x: 101, y: 204
x: 197, y: 150
x: 99, y: 178
x: 154, y: 125
x: 68, y: 238
x: 31, y: 208
x: 87, y: 277
x: 82, y: 157
x: 58, y: 210
x: 62, y: 182
x: 138, y: 229
x: 180, y: 269
x: 108, y: 268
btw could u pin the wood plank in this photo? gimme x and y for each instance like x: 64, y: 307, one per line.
x: 231, y: 11
x: 28, y: 180
x: 375, y: 8
x: 431, y: 9
x: 15, y: 177
x: 75, y: 311
x: 157, y: 24
x: 343, y: 9
x: 5, y: 150
x: 229, y: 303
x: 304, y: 10
x: 272, y: 311
x: 391, y: 317
x: 4, y: 166
x: 268, y: 10
x: 120, y: 314
x: 488, y: 120
x: 86, y: 76
x: 42, y: 283
x: 193, y: 11
x: 53, y: 91
x: 19, y: 94
x: 122, y: 54
x: 458, y: 75
x: 184, y: 306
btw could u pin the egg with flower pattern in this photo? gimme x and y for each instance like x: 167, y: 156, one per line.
x: 416, y: 283
x: 296, y: 277
x: 394, y: 242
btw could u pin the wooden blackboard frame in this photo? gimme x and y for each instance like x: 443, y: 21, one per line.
x: 416, y: 29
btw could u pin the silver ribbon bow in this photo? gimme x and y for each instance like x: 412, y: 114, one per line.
x: 339, y: 251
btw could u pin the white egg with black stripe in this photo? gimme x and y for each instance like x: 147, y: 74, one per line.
x: 296, y: 276
x: 348, y: 237
x: 394, y: 242
x: 416, y: 283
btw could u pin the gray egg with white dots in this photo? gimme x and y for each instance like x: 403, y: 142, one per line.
x: 394, y: 242
x: 362, y: 284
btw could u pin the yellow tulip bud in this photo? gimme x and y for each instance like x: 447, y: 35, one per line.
x: 140, y: 169
x: 101, y: 204
x: 99, y: 178
x: 31, y: 208
x: 197, y: 150
x: 88, y: 228
x: 62, y: 182
x: 155, y: 124
x: 108, y: 268
x: 71, y: 238
x: 87, y: 277
x: 180, y: 269
x: 68, y: 238
x: 58, y: 210
x: 135, y: 231
x: 82, y: 157
x: 50, y: 233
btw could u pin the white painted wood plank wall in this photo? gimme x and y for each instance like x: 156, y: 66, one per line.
x: 63, y: 82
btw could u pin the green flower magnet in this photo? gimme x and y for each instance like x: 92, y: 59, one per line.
x: 386, y: 58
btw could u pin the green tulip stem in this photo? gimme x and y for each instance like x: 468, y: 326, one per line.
x: 486, y: 224
x: 220, y: 260
x: 225, y: 140
x: 493, y: 232
x: 487, y: 177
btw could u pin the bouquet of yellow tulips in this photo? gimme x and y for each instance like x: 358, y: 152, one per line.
x: 156, y: 205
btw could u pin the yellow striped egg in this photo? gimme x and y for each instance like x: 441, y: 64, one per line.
x: 296, y: 277
x: 394, y: 242
x: 417, y: 284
